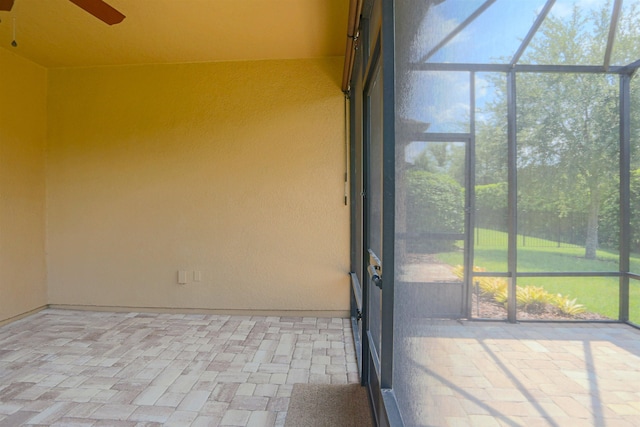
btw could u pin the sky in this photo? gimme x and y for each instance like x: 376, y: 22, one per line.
x: 493, y: 36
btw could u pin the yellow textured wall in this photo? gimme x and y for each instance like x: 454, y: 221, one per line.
x: 23, y: 127
x: 231, y: 169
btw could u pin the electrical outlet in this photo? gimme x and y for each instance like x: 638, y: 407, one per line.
x: 182, y: 277
x: 197, y: 276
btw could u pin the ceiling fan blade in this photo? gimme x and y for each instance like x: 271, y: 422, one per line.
x: 100, y: 10
x: 6, y: 5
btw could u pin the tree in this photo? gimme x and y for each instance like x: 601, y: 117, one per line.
x: 491, y: 131
x: 568, y: 123
x: 568, y: 138
x: 611, y: 215
x: 443, y: 158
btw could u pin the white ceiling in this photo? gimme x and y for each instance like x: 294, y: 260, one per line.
x: 57, y: 33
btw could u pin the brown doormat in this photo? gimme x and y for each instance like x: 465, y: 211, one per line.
x: 329, y: 405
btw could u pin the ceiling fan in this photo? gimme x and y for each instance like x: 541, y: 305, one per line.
x: 97, y: 8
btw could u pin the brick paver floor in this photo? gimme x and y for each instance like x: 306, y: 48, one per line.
x: 82, y: 368
x: 527, y: 374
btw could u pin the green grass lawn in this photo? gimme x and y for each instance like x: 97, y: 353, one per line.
x: 597, y: 294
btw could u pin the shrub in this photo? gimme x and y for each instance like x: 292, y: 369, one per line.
x: 491, y: 196
x: 532, y: 299
x: 568, y: 306
x: 491, y: 206
x: 435, y: 202
x: 492, y: 287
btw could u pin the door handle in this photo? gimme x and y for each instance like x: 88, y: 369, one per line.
x: 375, y: 277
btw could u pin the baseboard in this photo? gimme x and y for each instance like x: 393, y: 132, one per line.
x: 231, y: 312
x: 22, y: 315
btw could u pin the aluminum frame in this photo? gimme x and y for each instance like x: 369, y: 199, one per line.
x: 386, y: 407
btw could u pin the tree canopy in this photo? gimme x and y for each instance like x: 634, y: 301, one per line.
x: 567, y: 123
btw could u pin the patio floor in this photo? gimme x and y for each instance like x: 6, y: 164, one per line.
x: 81, y: 368
x: 528, y: 374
